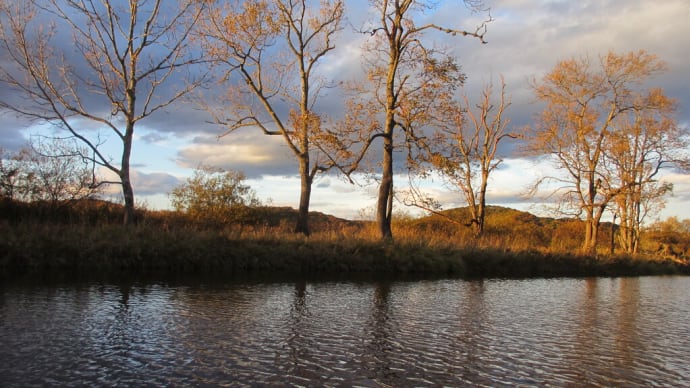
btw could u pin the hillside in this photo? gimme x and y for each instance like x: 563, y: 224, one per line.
x: 511, y: 228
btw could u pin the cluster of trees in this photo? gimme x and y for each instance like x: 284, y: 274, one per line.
x: 609, y: 133
x: 53, y: 172
x: 611, y: 136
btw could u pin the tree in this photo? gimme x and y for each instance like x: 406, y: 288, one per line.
x: 464, y: 152
x: 585, y: 104
x: 405, y: 78
x: 12, y: 175
x: 646, y: 140
x: 119, y: 69
x: 52, y: 172
x: 268, y: 52
x: 61, y: 173
x: 214, y: 195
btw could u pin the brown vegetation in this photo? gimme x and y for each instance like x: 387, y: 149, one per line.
x: 88, y: 238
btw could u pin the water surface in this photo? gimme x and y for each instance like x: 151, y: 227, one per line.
x: 623, y: 332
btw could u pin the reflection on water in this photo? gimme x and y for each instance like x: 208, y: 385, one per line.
x: 631, y: 331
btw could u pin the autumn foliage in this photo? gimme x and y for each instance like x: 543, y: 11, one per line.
x: 610, y: 135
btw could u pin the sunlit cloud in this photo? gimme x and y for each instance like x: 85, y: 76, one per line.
x: 253, y: 154
x: 143, y: 183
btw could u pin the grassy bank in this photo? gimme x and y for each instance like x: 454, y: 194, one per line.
x: 154, y: 248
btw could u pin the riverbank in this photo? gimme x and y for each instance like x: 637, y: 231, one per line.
x: 30, y: 249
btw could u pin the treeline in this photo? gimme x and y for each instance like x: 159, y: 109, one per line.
x: 261, y: 64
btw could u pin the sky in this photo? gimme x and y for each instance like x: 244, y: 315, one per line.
x: 526, y: 39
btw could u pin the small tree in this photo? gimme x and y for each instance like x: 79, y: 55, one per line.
x: 268, y: 53
x: 464, y: 152
x: 12, y: 175
x: 644, y: 143
x: 52, y: 171
x: 214, y: 195
x: 61, y: 172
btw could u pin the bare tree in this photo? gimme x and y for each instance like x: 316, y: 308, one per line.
x: 120, y: 68
x: 48, y: 171
x: 585, y: 103
x: 464, y: 151
x: 13, y: 175
x: 268, y: 52
x: 405, y: 78
x: 61, y: 173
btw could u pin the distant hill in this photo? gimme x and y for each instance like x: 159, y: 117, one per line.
x: 511, y: 228
x: 285, y: 215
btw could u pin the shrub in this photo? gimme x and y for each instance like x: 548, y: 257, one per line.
x: 215, y: 195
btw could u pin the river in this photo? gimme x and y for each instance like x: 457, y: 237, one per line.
x: 538, y: 332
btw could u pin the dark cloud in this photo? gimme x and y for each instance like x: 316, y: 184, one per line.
x: 323, y: 183
x: 12, y: 136
x: 155, y: 137
x: 525, y: 41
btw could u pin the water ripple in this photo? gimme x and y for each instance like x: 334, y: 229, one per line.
x: 556, y: 332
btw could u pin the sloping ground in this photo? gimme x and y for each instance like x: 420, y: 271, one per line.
x: 512, y: 229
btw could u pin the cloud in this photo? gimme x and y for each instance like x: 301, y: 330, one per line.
x: 525, y: 40
x: 154, y: 137
x: 253, y: 154
x: 12, y: 137
x: 681, y: 186
x: 323, y: 183
x: 528, y: 38
x: 144, y: 183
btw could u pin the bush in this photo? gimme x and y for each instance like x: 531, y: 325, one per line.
x: 215, y: 195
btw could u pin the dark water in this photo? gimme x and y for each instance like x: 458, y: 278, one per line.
x: 620, y: 332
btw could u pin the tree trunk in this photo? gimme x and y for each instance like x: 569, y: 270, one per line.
x: 302, y: 225
x: 591, y: 234
x: 481, y: 208
x: 128, y: 193
x: 127, y: 190
x: 612, y: 240
x: 384, y: 205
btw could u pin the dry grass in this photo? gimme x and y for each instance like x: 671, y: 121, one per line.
x: 164, y: 242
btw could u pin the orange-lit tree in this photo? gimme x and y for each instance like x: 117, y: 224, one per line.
x: 645, y: 140
x: 405, y: 78
x: 588, y: 104
x: 215, y: 195
x: 267, y: 53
